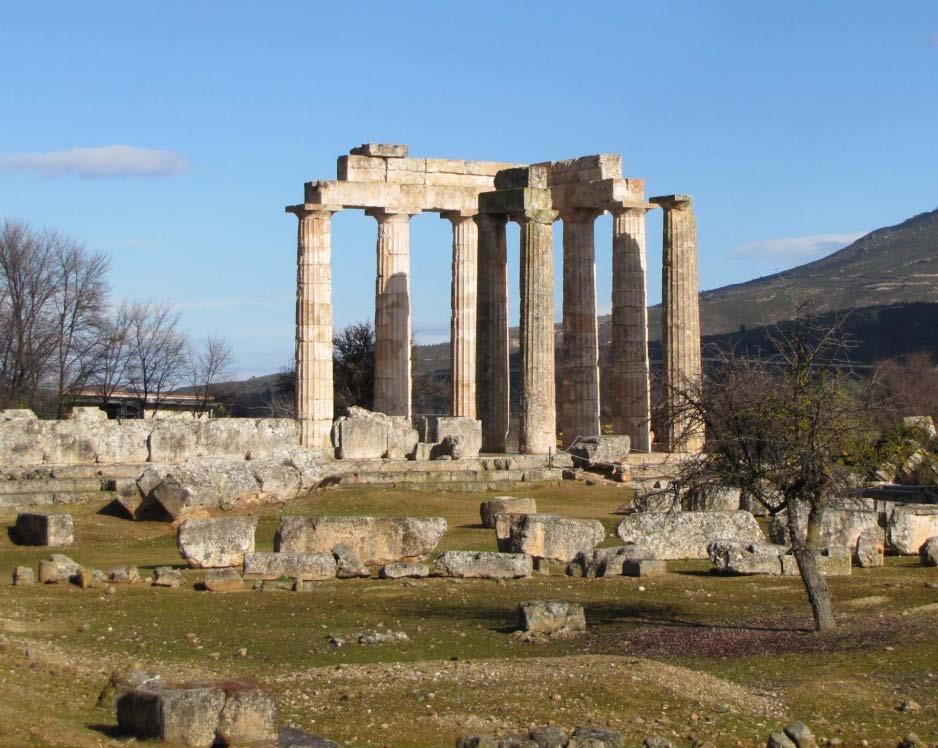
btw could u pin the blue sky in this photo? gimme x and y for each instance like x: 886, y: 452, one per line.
x: 796, y: 126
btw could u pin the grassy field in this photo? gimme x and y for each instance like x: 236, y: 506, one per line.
x: 688, y: 656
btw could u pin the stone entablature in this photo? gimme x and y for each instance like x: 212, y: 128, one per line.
x: 479, y: 198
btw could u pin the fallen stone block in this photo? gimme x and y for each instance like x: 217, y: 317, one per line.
x: 167, y: 576
x: 910, y: 525
x: 870, y: 548
x: 44, y: 529
x: 929, y: 552
x: 23, y: 576
x: 216, y: 542
x: 375, y: 540
x: 404, y: 571
x: 223, y: 580
x: 505, y: 505
x: 839, y: 527
x: 248, y: 715
x: 603, y: 562
x: 57, y: 568
x: 348, y: 565
x: 448, y: 431
x: 712, y: 499
x: 556, y: 538
x: 364, y: 434
x: 644, y: 567
x: 484, y: 565
x: 596, y: 737
x: 678, y: 535
x: 551, y: 619
x: 207, y: 483
x: 303, y: 566
x: 600, y: 451
x: 184, y: 715
x: 128, y: 574
x: 734, y: 557
x: 504, y: 523
x: 90, y: 578
x: 831, y: 562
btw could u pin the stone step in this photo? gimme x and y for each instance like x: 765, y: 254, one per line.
x: 23, y: 501
x: 51, y: 485
x: 419, y: 477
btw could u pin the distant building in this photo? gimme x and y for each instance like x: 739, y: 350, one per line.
x: 126, y: 404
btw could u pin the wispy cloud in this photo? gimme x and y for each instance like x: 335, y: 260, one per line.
x: 796, y: 246
x: 106, y: 161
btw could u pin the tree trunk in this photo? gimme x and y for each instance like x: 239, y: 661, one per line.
x: 816, y: 586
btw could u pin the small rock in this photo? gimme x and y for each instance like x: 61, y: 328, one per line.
x: 382, y: 637
x: 909, y: 706
x: 929, y: 552
x: 656, y: 741
x: 348, y: 565
x: 404, y: 571
x: 124, y: 574
x: 911, y: 741
x: 223, y: 580
x: 23, y: 576
x: 780, y: 740
x: 167, y: 576
x: 801, y: 734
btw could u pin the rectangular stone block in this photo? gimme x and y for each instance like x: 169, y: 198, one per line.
x: 383, y: 150
x: 44, y: 529
x: 515, y: 200
x: 484, y: 565
x: 520, y: 177
x: 644, y: 567
x: 910, y: 526
x: 361, y: 169
x: 303, y: 566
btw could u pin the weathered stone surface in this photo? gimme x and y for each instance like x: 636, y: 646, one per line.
x: 552, y: 618
x: 57, y: 568
x: 223, y: 580
x: 911, y: 525
x: 216, y: 542
x: 780, y: 740
x: 712, y: 499
x: 484, y: 565
x: 839, y: 527
x: 675, y: 535
x: 167, y: 576
x: 603, y: 562
x: 435, y: 429
x: 90, y: 578
x: 87, y: 414
x: 303, y: 566
x: 644, y: 567
x: 291, y: 737
x: 375, y: 540
x: 404, y: 571
x: 735, y: 557
x: 801, y: 734
x: 923, y: 424
x: 929, y: 552
x: 128, y: 574
x: 832, y: 562
x: 505, y: 505
x: 557, y: 538
x: 23, y: 576
x: 384, y: 150
x: 503, y: 525
x: 44, y: 529
x: 595, y: 737
x: 600, y: 450
x: 205, y: 484
x: 367, y: 434
x: 870, y: 548
x: 348, y: 564
x: 248, y: 715
x: 185, y: 715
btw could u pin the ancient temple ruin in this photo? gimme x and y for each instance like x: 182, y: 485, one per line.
x: 479, y: 198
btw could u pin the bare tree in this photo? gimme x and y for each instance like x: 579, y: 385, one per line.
x: 156, y: 353
x: 791, y: 428
x: 208, y: 366
x: 112, y: 353
x: 353, y: 367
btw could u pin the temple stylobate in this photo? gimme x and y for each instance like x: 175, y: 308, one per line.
x: 479, y: 198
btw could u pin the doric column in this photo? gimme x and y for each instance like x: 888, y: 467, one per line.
x: 463, y: 316
x: 579, y: 412
x: 631, y: 386
x: 493, y: 388
x: 538, y: 406
x: 392, y: 313
x: 314, y: 325
x: 680, y: 327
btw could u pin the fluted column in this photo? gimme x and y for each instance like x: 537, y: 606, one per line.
x: 680, y: 329
x: 538, y: 406
x: 314, y: 395
x: 492, y: 376
x: 392, y: 313
x: 463, y: 314
x: 579, y: 413
x: 631, y: 386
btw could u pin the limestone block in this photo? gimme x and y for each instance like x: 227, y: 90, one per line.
x: 205, y: 484
x: 167, y: 576
x: 505, y: 505
x: 676, y: 535
x: 603, y: 562
x: 596, y: 737
x: 123, y: 442
x: 361, y: 435
x: 484, y: 565
x: 832, y: 562
x: 17, y: 414
x: 870, y: 548
x: 402, y: 438
x: 735, y: 557
x: 922, y: 424
x: 929, y: 552
x: 90, y: 578
x: 535, y: 176
x: 57, y: 568
x: 23, y: 576
x: 384, y: 150
x: 515, y: 200
x: 69, y: 442
x: 600, y: 450
x: 438, y: 428
x: 185, y: 715
x: 348, y: 564
x: 247, y: 717
x: 552, y: 618
x: 216, y: 542
x: 173, y: 441
x: 278, y: 479
x: 223, y: 580
x: 375, y: 540
x: 910, y: 525
x: 556, y: 538
x: 644, y: 567
x: 712, y: 499
x: 304, y: 566
x: 404, y: 571
x: 88, y: 414
x: 44, y: 529
x: 839, y: 527
x: 360, y: 168
x: 503, y: 524
x: 22, y: 437
x: 128, y: 574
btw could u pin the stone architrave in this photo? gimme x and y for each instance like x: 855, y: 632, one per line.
x: 463, y: 319
x: 392, y: 313
x: 314, y: 391
x: 538, y: 433
x: 492, y: 385
x: 680, y: 328
x: 579, y: 412
x: 631, y: 393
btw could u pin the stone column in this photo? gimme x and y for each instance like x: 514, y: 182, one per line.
x: 493, y: 387
x: 392, y: 313
x: 463, y: 316
x: 579, y: 413
x: 680, y: 326
x: 538, y: 406
x: 631, y: 383
x: 314, y: 409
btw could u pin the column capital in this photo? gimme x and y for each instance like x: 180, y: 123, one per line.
x: 534, y: 215
x: 672, y: 202
x: 630, y: 208
x: 459, y: 216
x: 313, y: 209
x: 579, y: 215
x: 392, y: 215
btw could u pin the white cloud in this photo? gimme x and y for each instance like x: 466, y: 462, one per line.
x: 797, y: 246
x: 106, y: 161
